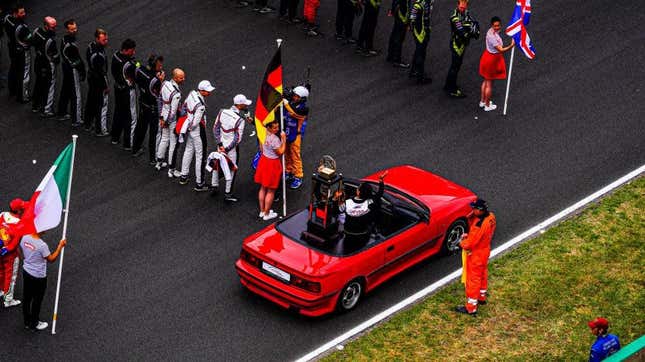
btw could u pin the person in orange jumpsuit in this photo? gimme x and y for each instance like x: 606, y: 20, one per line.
x: 9, y: 240
x: 476, y: 244
x: 310, y: 11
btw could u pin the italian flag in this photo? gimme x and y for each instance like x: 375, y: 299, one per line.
x: 46, y: 205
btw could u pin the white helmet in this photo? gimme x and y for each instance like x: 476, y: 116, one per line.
x: 301, y: 91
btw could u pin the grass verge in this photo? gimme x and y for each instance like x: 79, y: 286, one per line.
x: 541, y: 296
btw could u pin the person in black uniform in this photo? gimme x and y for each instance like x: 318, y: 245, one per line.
x: 45, y: 64
x: 149, y: 79
x: 365, y: 45
x: 73, y: 75
x: 420, y: 12
x: 97, y: 94
x: 463, y: 28
x: 345, y: 14
x: 399, y: 11
x: 19, y: 43
x: 361, y: 211
x: 124, y: 120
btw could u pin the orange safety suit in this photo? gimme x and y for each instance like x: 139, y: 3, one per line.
x: 477, y: 247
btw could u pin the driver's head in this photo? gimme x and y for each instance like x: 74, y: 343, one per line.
x: 364, y: 191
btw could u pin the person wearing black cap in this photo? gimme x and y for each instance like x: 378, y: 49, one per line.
x: 476, y: 245
x: 361, y: 211
x: 606, y: 344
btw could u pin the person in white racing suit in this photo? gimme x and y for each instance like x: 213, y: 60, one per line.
x: 228, y: 131
x: 193, y: 130
x: 170, y: 98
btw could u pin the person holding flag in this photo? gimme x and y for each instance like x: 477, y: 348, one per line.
x: 492, y: 65
x: 9, y: 262
x: 35, y: 254
x: 270, y: 169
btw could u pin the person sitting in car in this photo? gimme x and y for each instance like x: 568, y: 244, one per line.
x: 361, y: 211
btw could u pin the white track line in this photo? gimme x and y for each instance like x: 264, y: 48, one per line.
x: 457, y: 273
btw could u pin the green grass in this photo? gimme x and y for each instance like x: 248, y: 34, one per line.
x: 541, y: 296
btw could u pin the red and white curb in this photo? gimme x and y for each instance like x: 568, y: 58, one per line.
x: 539, y: 228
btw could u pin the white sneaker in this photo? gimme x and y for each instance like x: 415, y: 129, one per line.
x: 158, y: 166
x: 261, y: 215
x: 42, y: 325
x: 490, y: 107
x: 482, y: 104
x: 11, y: 303
x: 164, y: 164
x: 270, y: 215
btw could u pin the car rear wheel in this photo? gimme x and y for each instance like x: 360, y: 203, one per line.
x: 350, y: 295
x: 453, y: 236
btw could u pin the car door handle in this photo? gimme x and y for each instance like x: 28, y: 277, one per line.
x: 390, y: 248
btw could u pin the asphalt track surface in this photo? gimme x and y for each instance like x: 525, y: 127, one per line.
x: 149, y: 271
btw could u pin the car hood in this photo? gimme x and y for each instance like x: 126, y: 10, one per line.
x: 435, y: 191
x: 279, y: 250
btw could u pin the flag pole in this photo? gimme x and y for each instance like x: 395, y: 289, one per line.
x: 284, y: 179
x: 62, y: 252
x: 508, y: 81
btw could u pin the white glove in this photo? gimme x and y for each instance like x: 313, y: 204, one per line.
x: 180, y: 139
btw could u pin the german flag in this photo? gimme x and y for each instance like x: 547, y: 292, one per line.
x: 270, y: 95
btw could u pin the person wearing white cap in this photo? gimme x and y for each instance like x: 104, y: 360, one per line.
x: 228, y: 131
x: 296, y: 113
x: 195, y: 130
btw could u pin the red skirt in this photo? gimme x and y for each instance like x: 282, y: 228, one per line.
x: 492, y: 66
x: 269, y: 172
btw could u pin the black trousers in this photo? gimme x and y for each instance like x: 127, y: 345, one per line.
x: 33, y: 294
x: 70, y: 94
x: 96, y: 107
x: 368, y: 27
x: 419, y: 58
x: 148, y: 120
x: 455, y: 65
x: 289, y: 7
x: 19, y: 75
x: 345, y: 14
x: 397, y: 37
x: 44, y: 86
x: 124, y: 120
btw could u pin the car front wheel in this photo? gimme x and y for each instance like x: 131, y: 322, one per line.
x: 453, y: 237
x: 350, y: 295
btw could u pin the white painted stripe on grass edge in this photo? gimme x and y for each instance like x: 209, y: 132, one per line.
x: 457, y: 273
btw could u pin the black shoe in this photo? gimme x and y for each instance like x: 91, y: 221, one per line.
x: 371, y: 53
x: 360, y: 50
x: 200, y: 188
x: 339, y: 37
x: 183, y: 180
x: 350, y: 41
x: 102, y: 134
x: 401, y: 65
x: 462, y: 309
x: 63, y: 117
x: 214, y: 190
x: 230, y: 198
x: 47, y: 115
x: 138, y: 152
x: 457, y: 94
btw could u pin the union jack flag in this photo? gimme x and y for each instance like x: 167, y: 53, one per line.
x: 517, y: 27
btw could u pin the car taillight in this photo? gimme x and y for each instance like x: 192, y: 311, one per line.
x: 250, y: 258
x: 313, y: 287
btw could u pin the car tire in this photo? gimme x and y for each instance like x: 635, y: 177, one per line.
x: 451, y: 241
x: 349, y: 296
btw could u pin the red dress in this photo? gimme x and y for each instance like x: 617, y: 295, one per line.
x: 491, y: 64
x: 269, y: 170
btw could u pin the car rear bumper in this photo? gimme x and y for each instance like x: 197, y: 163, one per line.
x: 277, y: 292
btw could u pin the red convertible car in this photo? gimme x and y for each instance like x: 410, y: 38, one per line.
x: 421, y: 214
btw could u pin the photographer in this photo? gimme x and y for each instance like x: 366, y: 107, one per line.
x: 463, y: 28
x: 296, y: 113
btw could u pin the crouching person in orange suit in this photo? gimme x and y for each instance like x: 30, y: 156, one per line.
x: 476, y: 245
